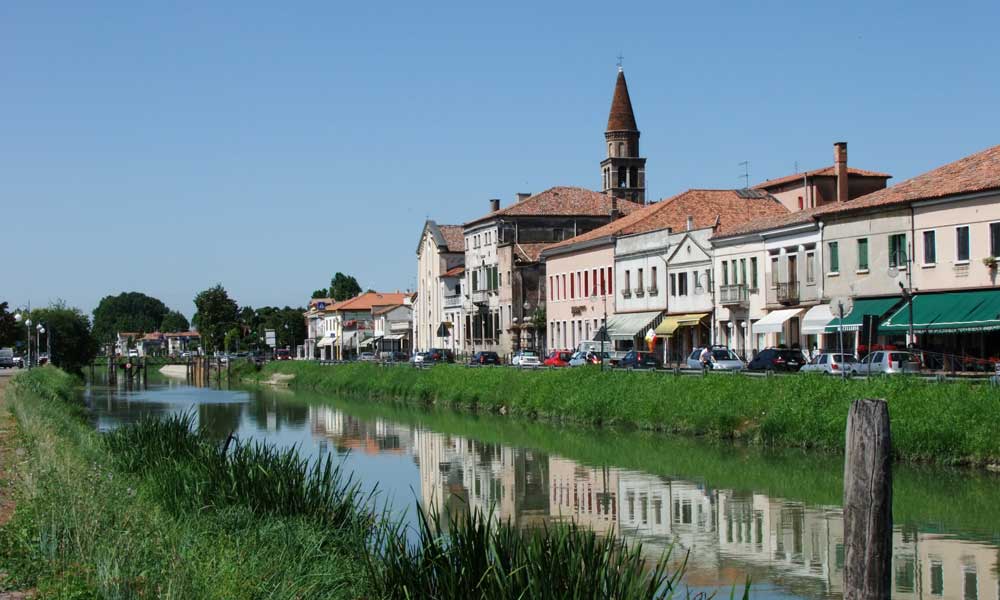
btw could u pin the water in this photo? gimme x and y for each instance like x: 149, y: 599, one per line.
x: 773, y: 516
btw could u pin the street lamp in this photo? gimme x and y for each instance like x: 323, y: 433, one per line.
x: 18, y: 318
x: 525, y: 319
x: 38, y: 340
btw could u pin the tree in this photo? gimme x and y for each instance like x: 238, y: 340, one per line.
x: 343, y: 287
x: 8, y: 327
x: 67, y: 336
x: 216, y: 314
x: 173, y: 322
x: 272, y: 317
x: 321, y: 293
x: 128, y: 311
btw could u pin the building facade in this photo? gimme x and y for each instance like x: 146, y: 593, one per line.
x: 441, y: 250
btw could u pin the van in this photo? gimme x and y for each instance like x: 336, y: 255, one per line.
x: 6, y: 358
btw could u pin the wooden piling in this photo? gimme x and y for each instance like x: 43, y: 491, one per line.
x: 868, y: 502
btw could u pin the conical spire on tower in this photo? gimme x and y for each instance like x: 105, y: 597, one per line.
x: 621, y: 117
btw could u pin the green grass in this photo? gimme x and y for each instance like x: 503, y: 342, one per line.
x: 953, y: 423
x: 157, y: 509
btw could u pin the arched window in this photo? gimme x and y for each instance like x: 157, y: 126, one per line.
x: 621, y: 149
x: 634, y: 177
x: 622, y: 177
x: 611, y: 149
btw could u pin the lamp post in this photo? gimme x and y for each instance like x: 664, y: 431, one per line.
x: 19, y: 317
x: 525, y: 319
x: 604, y: 329
x: 40, y: 328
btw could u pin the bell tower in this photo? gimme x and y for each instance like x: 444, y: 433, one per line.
x: 623, y: 172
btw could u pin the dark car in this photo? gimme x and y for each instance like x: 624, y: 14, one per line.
x: 640, y: 360
x: 485, y: 358
x: 282, y: 354
x: 777, y: 359
x: 439, y: 355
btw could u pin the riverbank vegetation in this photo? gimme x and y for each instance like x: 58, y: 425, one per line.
x: 954, y: 423
x: 158, y: 509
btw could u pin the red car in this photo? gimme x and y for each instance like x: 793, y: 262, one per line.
x: 282, y: 354
x: 558, y: 358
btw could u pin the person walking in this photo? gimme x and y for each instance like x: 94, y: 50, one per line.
x: 705, y: 358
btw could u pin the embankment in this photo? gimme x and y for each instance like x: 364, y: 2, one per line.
x: 954, y: 423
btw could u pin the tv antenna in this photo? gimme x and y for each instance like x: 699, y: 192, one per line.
x: 746, y: 174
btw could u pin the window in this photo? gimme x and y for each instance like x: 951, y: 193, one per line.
x: 725, y: 272
x: 810, y: 267
x: 863, y: 254
x: 586, y: 283
x: 611, y: 286
x: 774, y: 272
x: 628, y: 280
x: 640, y: 280
x: 735, y: 279
x: 475, y: 281
x: 743, y: 270
x: 652, y: 279
x: 682, y: 284
x: 930, y: 247
x: 753, y: 272
x: 564, y: 287
x: 593, y: 290
x: 673, y: 284
x: 602, y: 282
x: 801, y: 204
x: 572, y: 286
x: 834, y: 257
x: 897, y: 250
x: 962, y: 243
x: 552, y: 289
x: 994, y: 239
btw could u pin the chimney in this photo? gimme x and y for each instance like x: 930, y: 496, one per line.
x: 690, y: 223
x: 522, y: 196
x: 840, y: 168
x: 615, y: 213
x: 494, y: 204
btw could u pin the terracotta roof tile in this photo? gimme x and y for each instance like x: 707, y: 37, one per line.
x: 368, y: 300
x: 385, y: 309
x: 621, y: 117
x: 563, y: 201
x: 975, y: 173
x: 825, y: 172
x: 770, y: 222
x: 454, y: 236
x: 730, y: 208
x: 183, y: 334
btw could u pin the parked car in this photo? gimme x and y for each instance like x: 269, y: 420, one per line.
x: 588, y: 358
x: 6, y: 358
x: 526, y: 358
x: 887, y: 362
x: 484, y: 358
x: 777, y: 359
x: 720, y: 359
x: 418, y: 358
x: 395, y: 356
x: 367, y: 356
x: 635, y: 359
x: 831, y: 364
x: 19, y: 361
x: 558, y: 358
x: 439, y: 355
x: 282, y: 354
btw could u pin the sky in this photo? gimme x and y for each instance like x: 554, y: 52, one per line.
x: 166, y: 147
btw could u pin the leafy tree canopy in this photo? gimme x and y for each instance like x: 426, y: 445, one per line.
x: 343, y: 287
x: 173, y: 322
x: 320, y: 293
x: 8, y: 327
x: 67, y: 336
x: 216, y: 314
x: 128, y: 311
x: 288, y: 324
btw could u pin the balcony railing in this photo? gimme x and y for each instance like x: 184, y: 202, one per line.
x: 731, y: 295
x: 453, y: 301
x: 787, y: 292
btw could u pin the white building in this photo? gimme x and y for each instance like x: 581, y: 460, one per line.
x: 441, y: 251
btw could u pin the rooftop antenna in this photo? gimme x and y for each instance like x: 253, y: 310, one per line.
x: 746, y: 174
x: 621, y: 59
x: 796, y: 167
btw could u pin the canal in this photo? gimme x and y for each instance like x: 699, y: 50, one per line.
x: 773, y: 516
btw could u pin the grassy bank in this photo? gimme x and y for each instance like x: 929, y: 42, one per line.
x: 157, y: 509
x: 953, y: 423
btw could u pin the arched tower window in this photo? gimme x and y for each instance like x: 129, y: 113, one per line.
x: 634, y: 177
x: 622, y: 176
x: 621, y: 149
x: 611, y: 149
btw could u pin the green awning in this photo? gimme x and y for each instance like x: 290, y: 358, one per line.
x: 862, y: 307
x: 950, y: 312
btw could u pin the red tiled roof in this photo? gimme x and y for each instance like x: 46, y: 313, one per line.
x: 183, y: 334
x: 369, y: 300
x: 621, y: 117
x: 530, y: 252
x: 454, y: 271
x: 563, y: 201
x: 771, y: 222
x: 825, y: 172
x: 385, y: 309
x: 974, y: 173
x: 454, y: 236
x: 729, y: 208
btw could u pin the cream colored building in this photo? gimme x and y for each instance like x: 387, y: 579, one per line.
x: 441, y: 250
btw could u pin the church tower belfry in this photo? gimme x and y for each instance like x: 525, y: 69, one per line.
x: 623, y: 172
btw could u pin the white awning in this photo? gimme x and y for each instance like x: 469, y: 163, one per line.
x: 627, y: 326
x: 370, y: 341
x: 325, y: 341
x: 395, y: 336
x: 348, y: 340
x: 775, y: 320
x: 816, y: 319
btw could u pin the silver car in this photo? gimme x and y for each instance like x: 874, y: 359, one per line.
x: 582, y: 358
x: 831, y: 364
x: 526, y: 358
x: 887, y: 362
x: 721, y: 359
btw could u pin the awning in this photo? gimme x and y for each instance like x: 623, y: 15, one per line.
x: 629, y: 325
x: 671, y: 323
x: 325, y: 341
x: 816, y: 319
x: 395, y: 336
x: 950, y: 312
x: 862, y: 307
x: 370, y: 341
x: 348, y: 340
x: 775, y: 320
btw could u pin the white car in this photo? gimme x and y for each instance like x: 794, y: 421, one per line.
x: 887, y: 362
x: 721, y: 359
x: 582, y: 358
x: 526, y: 358
x: 831, y: 363
x: 418, y: 358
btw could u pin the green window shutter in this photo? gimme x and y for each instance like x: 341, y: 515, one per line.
x: 753, y: 272
x: 863, y: 254
x: 834, y: 258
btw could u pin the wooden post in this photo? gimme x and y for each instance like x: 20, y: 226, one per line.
x: 868, y: 502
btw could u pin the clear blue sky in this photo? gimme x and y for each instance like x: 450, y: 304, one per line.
x: 164, y: 147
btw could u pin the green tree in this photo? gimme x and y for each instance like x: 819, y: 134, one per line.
x: 321, y: 293
x: 216, y: 313
x: 128, y: 311
x: 68, y: 336
x: 8, y: 327
x: 288, y: 323
x: 343, y: 287
x: 173, y: 322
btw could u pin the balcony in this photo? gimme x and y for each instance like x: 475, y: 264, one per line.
x: 733, y: 295
x: 787, y: 293
x: 453, y: 301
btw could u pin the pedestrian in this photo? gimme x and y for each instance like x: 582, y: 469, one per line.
x: 705, y: 357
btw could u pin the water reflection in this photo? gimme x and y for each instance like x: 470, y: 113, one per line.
x: 789, y: 548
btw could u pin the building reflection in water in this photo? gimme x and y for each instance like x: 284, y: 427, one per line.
x: 727, y: 535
